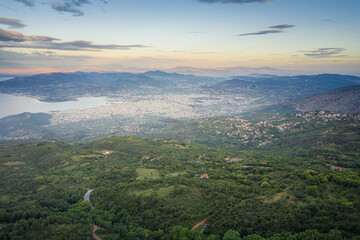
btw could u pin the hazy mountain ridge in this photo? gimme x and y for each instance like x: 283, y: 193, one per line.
x: 268, y: 88
x: 281, y: 88
x: 67, y: 86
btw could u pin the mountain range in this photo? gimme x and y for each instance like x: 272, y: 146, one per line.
x: 269, y: 88
x: 68, y: 86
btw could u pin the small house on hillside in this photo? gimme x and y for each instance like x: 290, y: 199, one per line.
x: 204, y: 176
x: 262, y: 163
x: 106, y: 153
x: 235, y: 160
x: 337, y: 168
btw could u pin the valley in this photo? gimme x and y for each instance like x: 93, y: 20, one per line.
x: 132, y: 108
x: 179, y: 120
x: 198, y: 162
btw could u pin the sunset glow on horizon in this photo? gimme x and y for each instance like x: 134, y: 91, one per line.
x: 286, y: 36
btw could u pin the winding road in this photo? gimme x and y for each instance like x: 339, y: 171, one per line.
x: 94, y: 228
x: 87, y: 197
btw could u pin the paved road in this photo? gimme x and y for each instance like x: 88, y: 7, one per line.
x: 87, y: 197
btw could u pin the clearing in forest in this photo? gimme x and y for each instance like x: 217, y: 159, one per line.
x: 144, y: 173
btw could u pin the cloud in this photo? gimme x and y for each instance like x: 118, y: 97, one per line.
x: 203, y: 53
x: 64, y: 6
x: 18, y: 40
x: 82, y: 45
x: 49, y: 52
x: 276, y: 30
x: 282, y: 26
x: 70, y: 46
x: 261, y: 33
x: 6, y: 35
x: 15, y: 60
x: 235, y: 1
x: 29, y: 3
x: 328, y: 20
x: 14, y: 36
x: 11, y: 22
x: 68, y: 6
x: 325, y: 52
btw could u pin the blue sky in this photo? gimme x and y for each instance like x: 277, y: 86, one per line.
x: 291, y: 36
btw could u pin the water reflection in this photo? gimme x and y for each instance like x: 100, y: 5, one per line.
x: 10, y: 104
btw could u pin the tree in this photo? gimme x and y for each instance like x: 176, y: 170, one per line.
x: 232, y: 235
x: 253, y: 237
x: 211, y: 237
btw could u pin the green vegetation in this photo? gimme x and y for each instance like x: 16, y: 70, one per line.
x: 147, y: 173
x: 151, y: 188
x: 264, y: 130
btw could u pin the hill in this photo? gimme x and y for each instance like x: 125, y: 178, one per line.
x: 345, y: 100
x: 315, y: 128
x: 276, y: 88
x: 340, y: 100
x: 267, y: 88
x: 24, y: 126
x: 68, y: 86
x: 268, y: 131
x: 152, y: 189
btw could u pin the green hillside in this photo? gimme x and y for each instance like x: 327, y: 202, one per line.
x: 152, y: 189
x: 318, y: 128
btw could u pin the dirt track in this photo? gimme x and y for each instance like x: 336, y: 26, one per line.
x: 202, y: 223
x: 94, y: 229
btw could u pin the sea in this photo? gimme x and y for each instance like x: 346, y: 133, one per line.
x: 11, y: 105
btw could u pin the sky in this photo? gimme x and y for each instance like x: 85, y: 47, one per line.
x: 285, y: 37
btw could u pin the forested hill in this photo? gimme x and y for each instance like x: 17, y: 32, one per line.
x: 315, y: 128
x: 163, y: 188
x: 340, y: 100
x: 344, y: 100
